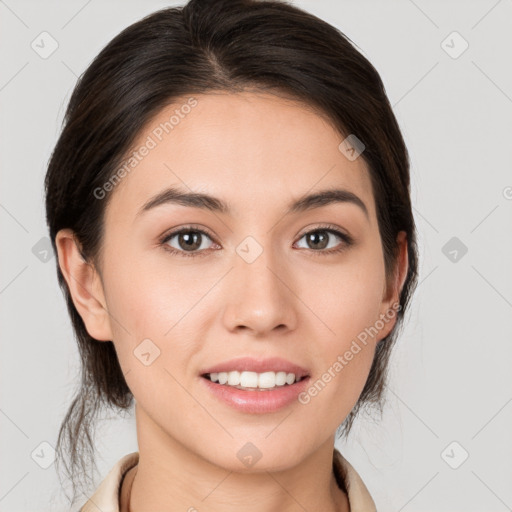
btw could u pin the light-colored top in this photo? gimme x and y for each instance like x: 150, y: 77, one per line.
x: 106, y: 496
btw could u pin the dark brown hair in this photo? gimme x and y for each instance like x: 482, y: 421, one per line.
x: 206, y: 46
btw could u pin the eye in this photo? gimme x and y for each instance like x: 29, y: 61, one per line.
x: 323, y: 237
x: 189, y: 241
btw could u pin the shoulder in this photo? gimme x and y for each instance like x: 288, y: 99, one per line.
x: 349, y: 480
x: 106, y: 496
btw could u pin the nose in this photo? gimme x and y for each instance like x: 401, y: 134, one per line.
x: 260, y: 297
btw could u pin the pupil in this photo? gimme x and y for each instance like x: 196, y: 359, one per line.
x: 320, y: 238
x: 191, y: 241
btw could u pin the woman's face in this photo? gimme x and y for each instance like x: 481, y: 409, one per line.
x: 255, y: 285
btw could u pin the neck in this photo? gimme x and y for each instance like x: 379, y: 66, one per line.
x: 171, y: 478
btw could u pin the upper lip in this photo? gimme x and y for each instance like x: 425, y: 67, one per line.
x: 250, y: 364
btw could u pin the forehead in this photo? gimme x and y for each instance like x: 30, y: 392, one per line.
x: 252, y: 149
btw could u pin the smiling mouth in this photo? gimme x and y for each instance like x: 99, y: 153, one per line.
x: 236, y: 389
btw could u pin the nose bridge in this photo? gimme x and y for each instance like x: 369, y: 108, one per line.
x: 260, y: 298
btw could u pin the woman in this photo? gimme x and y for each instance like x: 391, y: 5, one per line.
x: 229, y: 202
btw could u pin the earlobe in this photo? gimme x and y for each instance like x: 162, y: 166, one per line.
x: 84, y: 285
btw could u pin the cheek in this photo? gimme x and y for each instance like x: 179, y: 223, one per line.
x: 347, y: 300
x: 155, y: 308
x: 149, y: 315
x: 348, y: 297
x: 147, y: 297
x: 345, y: 353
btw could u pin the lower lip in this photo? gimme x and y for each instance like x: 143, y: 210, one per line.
x: 257, y: 402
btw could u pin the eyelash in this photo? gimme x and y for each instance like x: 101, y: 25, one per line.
x: 347, y: 241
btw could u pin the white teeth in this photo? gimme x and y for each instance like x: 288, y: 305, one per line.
x: 268, y: 380
x: 265, y: 380
x: 249, y: 379
x: 233, y: 378
x: 281, y: 378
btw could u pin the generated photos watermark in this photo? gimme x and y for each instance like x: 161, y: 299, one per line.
x: 343, y: 360
x: 150, y: 143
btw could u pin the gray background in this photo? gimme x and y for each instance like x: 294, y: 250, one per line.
x: 451, y: 378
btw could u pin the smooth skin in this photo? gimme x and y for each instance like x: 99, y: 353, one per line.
x: 258, y: 152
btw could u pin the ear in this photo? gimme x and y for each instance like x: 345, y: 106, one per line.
x: 84, y: 285
x: 393, y: 287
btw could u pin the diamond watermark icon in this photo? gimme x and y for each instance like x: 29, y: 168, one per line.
x: 454, y: 45
x: 454, y: 249
x: 351, y: 147
x: 249, y: 454
x: 42, y: 249
x: 44, y: 45
x: 43, y: 455
x: 454, y: 455
x: 146, y: 352
x: 249, y: 249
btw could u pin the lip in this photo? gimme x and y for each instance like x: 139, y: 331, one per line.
x: 256, y: 402
x: 250, y: 364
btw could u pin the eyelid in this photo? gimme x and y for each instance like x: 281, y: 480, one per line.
x: 188, y: 227
x: 326, y: 227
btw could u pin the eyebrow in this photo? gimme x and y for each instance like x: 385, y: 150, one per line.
x: 174, y: 195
